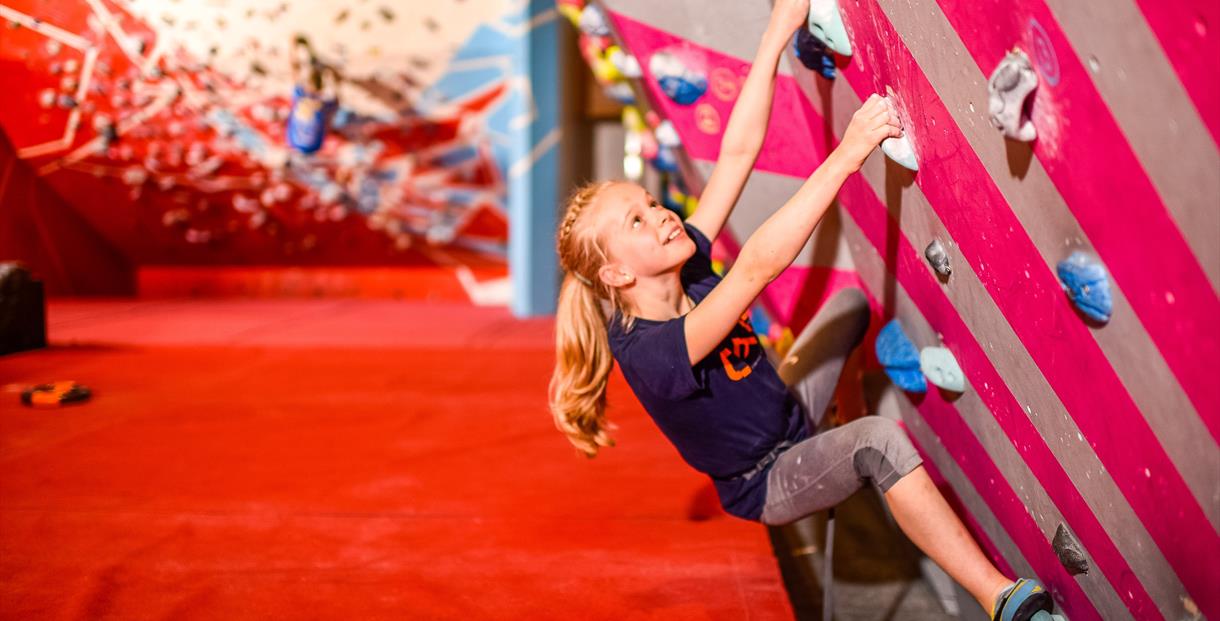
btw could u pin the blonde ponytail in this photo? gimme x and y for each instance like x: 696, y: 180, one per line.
x: 577, y: 392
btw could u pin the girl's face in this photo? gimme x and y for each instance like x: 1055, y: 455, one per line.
x: 642, y: 237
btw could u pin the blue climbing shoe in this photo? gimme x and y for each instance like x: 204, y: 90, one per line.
x: 1024, y: 600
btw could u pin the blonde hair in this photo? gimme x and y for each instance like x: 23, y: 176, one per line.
x: 577, y: 392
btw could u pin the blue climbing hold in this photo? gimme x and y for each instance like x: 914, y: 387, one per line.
x: 680, y: 83
x: 813, y: 53
x: 900, y: 358
x: 666, y: 160
x: 1087, y: 283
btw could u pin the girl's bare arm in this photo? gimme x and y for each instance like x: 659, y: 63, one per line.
x: 743, y: 136
x: 775, y: 244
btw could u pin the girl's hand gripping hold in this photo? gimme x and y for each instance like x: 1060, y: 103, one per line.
x: 788, y: 15
x: 875, y: 121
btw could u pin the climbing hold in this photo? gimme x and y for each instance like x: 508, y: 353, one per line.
x: 55, y: 394
x: 900, y: 149
x: 666, y: 160
x: 667, y: 135
x: 1087, y: 283
x: 1071, y: 555
x: 938, y: 257
x: 900, y: 358
x: 593, y: 21
x: 826, y: 23
x: 626, y: 64
x: 942, y: 369
x: 1010, y: 85
x: 813, y: 53
x: 678, y: 80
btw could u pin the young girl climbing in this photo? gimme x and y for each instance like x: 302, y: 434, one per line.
x: 639, y: 289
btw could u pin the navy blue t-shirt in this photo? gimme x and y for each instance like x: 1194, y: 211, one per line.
x: 725, y: 413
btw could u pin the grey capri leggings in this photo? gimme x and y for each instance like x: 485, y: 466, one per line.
x: 823, y: 470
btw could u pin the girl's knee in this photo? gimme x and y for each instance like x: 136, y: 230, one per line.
x: 882, y: 449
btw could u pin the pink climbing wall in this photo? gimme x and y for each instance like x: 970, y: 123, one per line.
x: 1107, y: 431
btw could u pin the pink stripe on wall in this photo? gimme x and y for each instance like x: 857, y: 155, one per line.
x: 1189, y: 32
x: 784, y: 152
x: 1062, y: 359
x: 1087, y: 157
x: 991, y: 238
x: 873, y: 219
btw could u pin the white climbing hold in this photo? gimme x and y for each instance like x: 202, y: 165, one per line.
x: 900, y: 149
x: 666, y: 135
x: 941, y: 368
x: 1010, y: 85
x: 624, y: 62
x: 826, y: 23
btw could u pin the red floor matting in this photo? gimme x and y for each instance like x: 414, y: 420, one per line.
x: 343, y: 460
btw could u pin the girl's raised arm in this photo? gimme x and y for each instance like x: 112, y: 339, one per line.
x: 775, y: 244
x: 743, y: 136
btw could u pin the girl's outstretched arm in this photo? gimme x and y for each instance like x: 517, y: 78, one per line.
x: 775, y: 244
x: 743, y: 136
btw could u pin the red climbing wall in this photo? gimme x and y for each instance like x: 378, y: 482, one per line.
x: 164, y: 131
x: 1105, y: 431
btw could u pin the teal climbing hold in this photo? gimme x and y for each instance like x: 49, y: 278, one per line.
x: 900, y: 358
x: 826, y: 23
x: 941, y: 368
x: 1087, y: 283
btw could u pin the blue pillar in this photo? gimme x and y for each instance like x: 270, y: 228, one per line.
x: 532, y: 186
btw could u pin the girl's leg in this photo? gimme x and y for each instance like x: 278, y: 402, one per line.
x: 925, y: 517
x: 822, y: 471
x: 812, y: 366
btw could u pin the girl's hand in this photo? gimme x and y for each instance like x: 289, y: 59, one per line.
x: 875, y: 121
x: 788, y: 15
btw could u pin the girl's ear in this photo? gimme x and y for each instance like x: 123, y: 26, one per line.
x: 615, y: 275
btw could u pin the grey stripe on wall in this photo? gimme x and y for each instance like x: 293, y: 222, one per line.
x: 765, y: 193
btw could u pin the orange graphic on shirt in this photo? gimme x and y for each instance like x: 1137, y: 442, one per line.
x: 741, y: 351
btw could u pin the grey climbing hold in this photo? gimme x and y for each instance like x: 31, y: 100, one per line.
x: 1010, y: 85
x: 1070, y: 554
x: 1087, y: 284
x: 942, y: 369
x: 826, y: 23
x: 938, y: 257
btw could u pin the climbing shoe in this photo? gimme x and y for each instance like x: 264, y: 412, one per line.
x: 1021, y: 601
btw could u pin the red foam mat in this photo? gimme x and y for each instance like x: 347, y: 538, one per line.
x: 244, y: 472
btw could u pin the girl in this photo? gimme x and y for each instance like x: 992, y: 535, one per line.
x: 681, y: 336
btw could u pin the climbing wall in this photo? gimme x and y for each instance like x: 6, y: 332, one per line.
x: 1078, y: 274
x: 163, y: 124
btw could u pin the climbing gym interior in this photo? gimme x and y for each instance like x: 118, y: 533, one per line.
x: 289, y: 301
